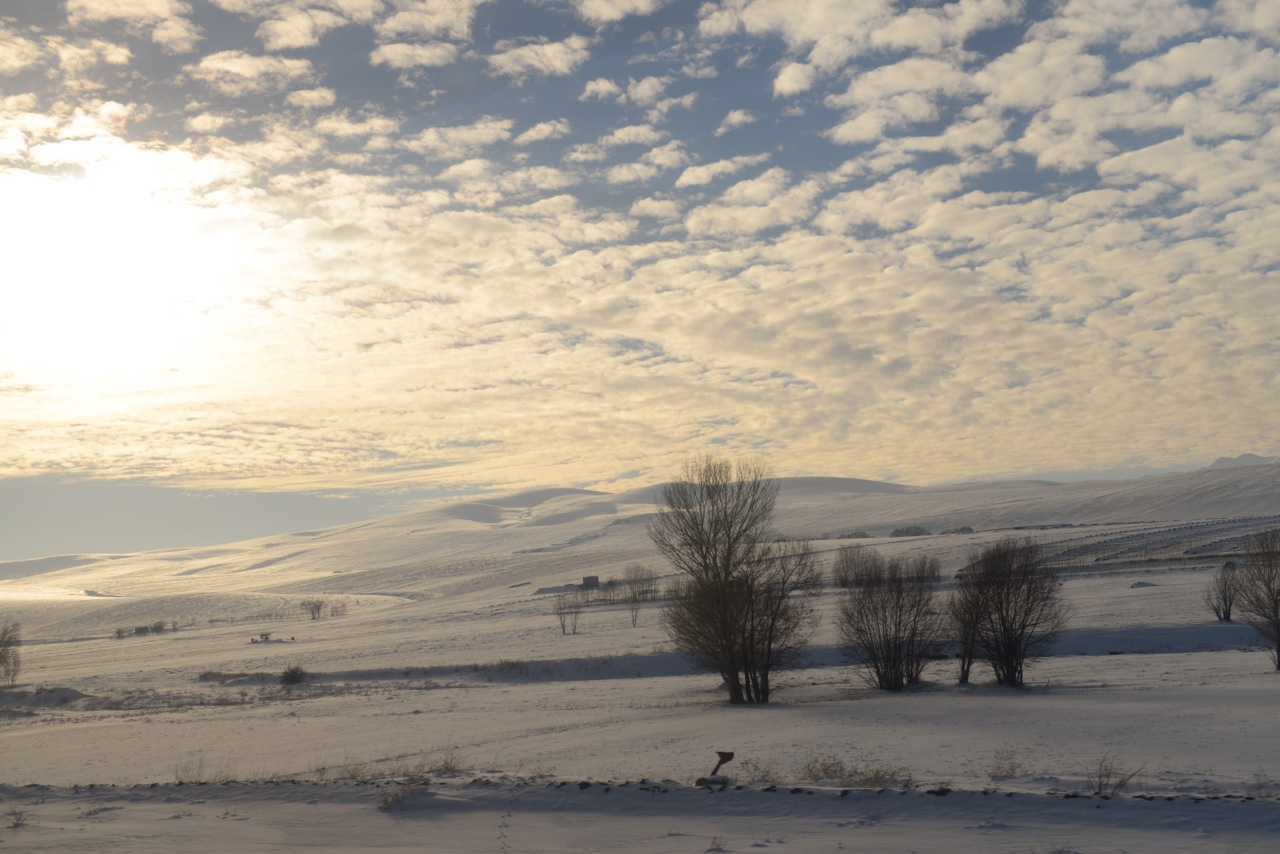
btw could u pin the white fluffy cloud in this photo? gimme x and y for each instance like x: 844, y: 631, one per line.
x: 555, y: 129
x: 697, y: 176
x: 401, y: 56
x: 734, y: 119
x: 600, y: 89
x: 236, y: 73
x: 520, y: 61
x: 611, y: 11
x: 165, y: 20
x: 429, y: 19
x: 459, y: 141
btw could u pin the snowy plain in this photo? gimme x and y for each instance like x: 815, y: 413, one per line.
x: 446, y: 711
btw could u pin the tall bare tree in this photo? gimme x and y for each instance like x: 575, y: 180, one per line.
x: 887, y: 619
x: 1258, y: 593
x: 740, y: 608
x: 1012, y: 596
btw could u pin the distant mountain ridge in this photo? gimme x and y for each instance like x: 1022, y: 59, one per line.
x: 1241, y: 461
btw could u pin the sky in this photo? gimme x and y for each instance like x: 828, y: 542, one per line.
x: 346, y: 248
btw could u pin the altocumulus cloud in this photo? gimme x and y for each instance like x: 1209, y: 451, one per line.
x: 377, y: 244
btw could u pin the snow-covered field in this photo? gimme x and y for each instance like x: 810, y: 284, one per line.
x: 446, y: 711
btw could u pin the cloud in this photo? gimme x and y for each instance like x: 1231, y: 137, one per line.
x: 664, y: 209
x: 697, y: 176
x: 17, y: 53
x: 164, y: 19
x: 793, y: 78
x: 601, y: 89
x: 236, y: 73
x: 554, y: 129
x: 298, y: 28
x: 341, y: 125
x: 429, y: 19
x: 612, y: 11
x: 1038, y: 73
x: 520, y: 61
x: 650, y: 165
x: 311, y: 98
x: 459, y: 141
x: 1136, y: 26
x: 658, y: 112
x: 401, y: 56
x: 647, y: 91
x: 1255, y: 17
x: 626, y: 135
x: 750, y: 206
x: 734, y: 119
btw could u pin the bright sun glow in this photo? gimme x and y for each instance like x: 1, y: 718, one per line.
x: 121, y: 274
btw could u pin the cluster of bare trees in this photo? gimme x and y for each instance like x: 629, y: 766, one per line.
x: 1252, y: 589
x: 1004, y: 610
x: 741, y: 605
x: 741, y: 608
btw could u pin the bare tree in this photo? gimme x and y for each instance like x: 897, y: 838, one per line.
x: 1220, y: 592
x: 1258, y: 593
x: 887, y: 619
x: 312, y: 607
x: 10, y: 656
x: 739, y: 608
x: 1014, y: 596
x: 568, y: 607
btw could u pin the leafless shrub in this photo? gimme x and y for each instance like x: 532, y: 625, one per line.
x: 313, y: 608
x: 887, y: 622
x: 294, y: 674
x: 17, y: 818
x: 395, y: 797
x: 1261, y: 787
x: 1110, y: 777
x: 1258, y: 593
x: 641, y: 580
x: 337, y: 609
x: 1220, y: 593
x: 752, y: 771
x: 852, y: 560
x: 10, y: 655
x: 450, y: 761
x: 640, y: 585
x: 567, y: 608
x: 829, y: 768
x: 1007, y: 602
x: 194, y: 769
x: 1006, y: 763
